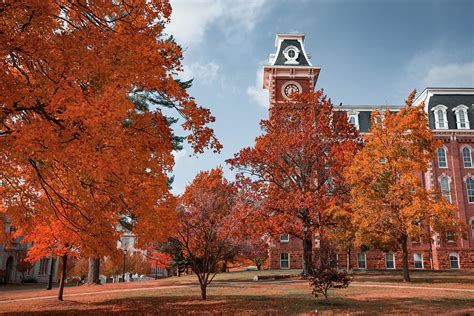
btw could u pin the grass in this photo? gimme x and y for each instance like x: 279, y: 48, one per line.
x: 235, y: 293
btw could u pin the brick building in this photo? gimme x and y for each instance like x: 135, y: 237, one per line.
x: 451, y: 117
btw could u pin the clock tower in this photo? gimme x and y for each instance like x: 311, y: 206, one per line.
x: 289, y: 70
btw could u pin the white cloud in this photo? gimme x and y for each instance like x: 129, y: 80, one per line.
x: 450, y: 75
x: 204, y: 73
x: 256, y: 92
x: 190, y: 19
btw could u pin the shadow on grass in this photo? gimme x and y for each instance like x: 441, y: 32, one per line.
x: 260, y: 304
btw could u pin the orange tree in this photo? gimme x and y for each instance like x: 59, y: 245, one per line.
x: 83, y: 137
x: 295, y: 168
x: 389, y: 201
x: 208, y: 225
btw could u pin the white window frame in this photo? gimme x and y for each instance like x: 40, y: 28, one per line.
x: 355, y: 115
x: 393, y: 260
x: 436, y: 110
x: 284, y: 240
x: 457, y: 111
x: 456, y: 255
x: 365, y: 261
x: 467, y: 189
x: 470, y: 156
x: 414, y: 261
x: 445, y: 157
x: 281, y: 267
x: 448, y: 179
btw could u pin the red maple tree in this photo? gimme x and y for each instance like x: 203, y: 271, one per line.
x: 295, y: 168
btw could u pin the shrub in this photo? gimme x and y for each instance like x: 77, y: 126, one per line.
x: 324, y: 278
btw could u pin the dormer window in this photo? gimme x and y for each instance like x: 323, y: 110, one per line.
x: 441, y: 119
x: 291, y: 54
x: 353, y: 118
x: 462, y: 120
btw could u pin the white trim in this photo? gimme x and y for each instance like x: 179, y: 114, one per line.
x: 289, y: 261
x: 446, y: 156
x: 365, y: 260
x: 462, y: 156
x: 394, y: 264
x: 436, y: 110
x: 291, y: 60
x: 454, y: 254
x: 457, y: 110
x: 285, y: 241
x: 422, y: 263
x: 471, y: 226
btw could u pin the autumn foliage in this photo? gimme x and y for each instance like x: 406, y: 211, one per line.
x: 81, y: 149
x: 389, y: 201
x: 208, y: 226
x: 295, y: 169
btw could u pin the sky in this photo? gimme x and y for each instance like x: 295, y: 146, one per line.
x: 370, y: 52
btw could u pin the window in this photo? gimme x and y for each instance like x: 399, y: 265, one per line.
x: 470, y: 189
x: 284, y: 238
x: 389, y: 260
x: 449, y: 236
x: 445, y: 188
x: 454, y: 260
x: 441, y: 120
x: 467, y: 157
x: 284, y: 260
x: 418, y: 261
x: 442, y: 160
x: 462, y: 119
x: 361, y: 260
x: 353, y: 118
x: 472, y: 227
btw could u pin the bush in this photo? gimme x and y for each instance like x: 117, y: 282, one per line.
x: 325, y: 278
x: 324, y: 273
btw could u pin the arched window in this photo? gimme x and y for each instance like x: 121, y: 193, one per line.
x: 462, y: 119
x: 467, y: 157
x: 470, y: 189
x: 442, y: 160
x: 454, y: 260
x: 441, y: 119
x: 445, y: 188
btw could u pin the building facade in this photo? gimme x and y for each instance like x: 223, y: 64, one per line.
x: 451, y: 117
x: 13, y: 267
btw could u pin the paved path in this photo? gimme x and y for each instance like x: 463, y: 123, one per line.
x: 237, y: 284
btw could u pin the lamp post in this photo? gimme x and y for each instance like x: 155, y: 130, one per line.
x: 156, y: 268
x: 124, y: 257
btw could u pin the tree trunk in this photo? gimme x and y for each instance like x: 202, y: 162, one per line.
x: 307, y: 251
x: 348, y: 260
x: 224, y: 266
x: 63, y: 278
x: 204, y: 291
x: 406, y: 272
x: 94, y: 269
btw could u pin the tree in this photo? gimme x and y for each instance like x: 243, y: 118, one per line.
x: 256, y: 250
x: 295, y: 167
x: 207, y: 224
x: 389, y: 201
x: 81, y: 92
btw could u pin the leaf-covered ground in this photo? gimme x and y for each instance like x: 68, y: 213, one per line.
x: 235, y: 293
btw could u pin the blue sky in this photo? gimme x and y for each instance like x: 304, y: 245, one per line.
x: 370, y: 52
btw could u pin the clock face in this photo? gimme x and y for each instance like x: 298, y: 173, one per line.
x: 291, y: 88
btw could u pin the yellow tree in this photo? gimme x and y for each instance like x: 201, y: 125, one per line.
x: 389, y: 200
